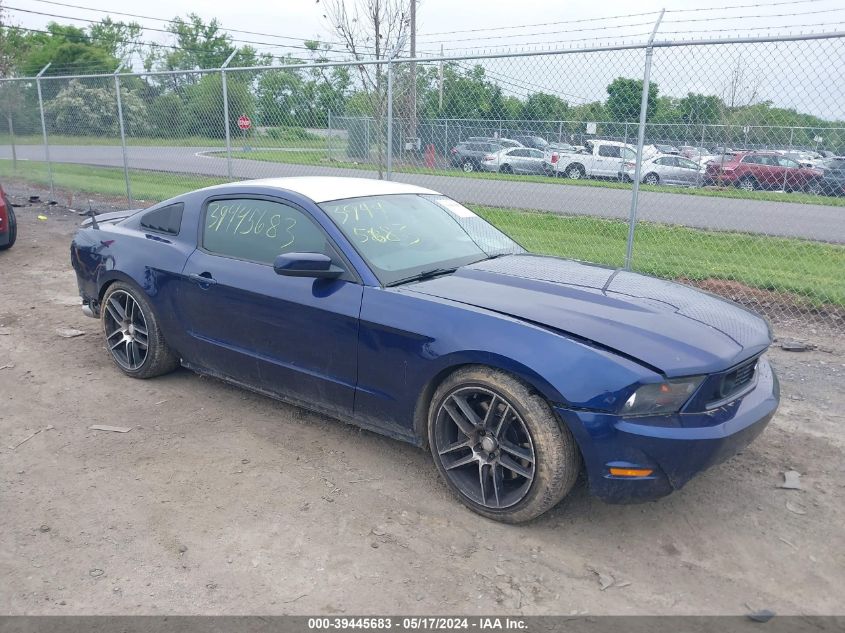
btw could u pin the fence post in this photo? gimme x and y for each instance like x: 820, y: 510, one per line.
x: 638, y: 168
x: 226, y: 113
x: 44, y: 127
x: 329, y: 137
x: 389, y: 119
x: 786, y: 171
x: 122, y: 136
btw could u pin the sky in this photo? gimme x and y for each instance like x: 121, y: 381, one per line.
x: 805, y: 75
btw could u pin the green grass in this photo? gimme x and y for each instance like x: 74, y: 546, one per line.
x: 814, y: 271
x: 339, y: 159
x: 146, y: 185
x: 337, y: 144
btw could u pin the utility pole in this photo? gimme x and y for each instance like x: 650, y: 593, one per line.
x: 440, y: 87
x: 413, y: 109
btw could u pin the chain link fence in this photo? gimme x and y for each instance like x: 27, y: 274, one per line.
x: 711, y: 163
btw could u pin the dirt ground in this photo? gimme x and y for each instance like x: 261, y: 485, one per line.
x: 219, y: 501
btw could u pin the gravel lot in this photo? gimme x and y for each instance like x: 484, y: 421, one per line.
x: 220, y: 501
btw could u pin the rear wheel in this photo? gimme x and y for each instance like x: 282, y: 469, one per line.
x: 747, y: 184
x: 506, y: 169
x: 13, y: 226
x: 814, y: 188
x: 651, y: 179
x: 468, y: 166
x: 499, y: 446
x: 575, y: 172
x: 133, y: 336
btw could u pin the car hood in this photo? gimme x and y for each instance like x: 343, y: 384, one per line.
x: 672, y: 328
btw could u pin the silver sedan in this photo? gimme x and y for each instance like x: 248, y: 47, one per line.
x: 666, y: 169
x: 517, y: 160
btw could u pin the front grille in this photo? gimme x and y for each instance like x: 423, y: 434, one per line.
x: 736, y: 380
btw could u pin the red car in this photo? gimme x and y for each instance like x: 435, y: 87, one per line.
x: 763, y: 170
x: 8, y: 223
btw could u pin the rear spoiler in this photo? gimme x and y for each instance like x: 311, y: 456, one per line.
x: 111, y: 217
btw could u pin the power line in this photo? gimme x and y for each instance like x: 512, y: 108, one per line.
x: 617, y: 17
x: 523, y: 26
x: 756, y: 28
x: 742, y: 6
x: 545, y: 42
x: 150, y: 28
x: 140, y: 43
x: 173, y: 21
x: 740, y: 17
x: 593, y: 28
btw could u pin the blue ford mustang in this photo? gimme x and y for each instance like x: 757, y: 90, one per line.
x: 398, y: 309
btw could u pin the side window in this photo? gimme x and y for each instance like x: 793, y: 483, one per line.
x: 753, y: 160
x: 687, y: 164
x: 259, y: 230
x: 518, y: 153
x: 535, y: 153
x: 609, y: 150
x: 165, y: 220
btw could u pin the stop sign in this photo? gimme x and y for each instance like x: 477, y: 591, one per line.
x: 243, y: 122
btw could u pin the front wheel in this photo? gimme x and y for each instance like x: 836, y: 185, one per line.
x: 468, y: 166
x: 651, y: 179
x: 12, y: 230
x: 499, y: 446
x: 132, y: 332
x: 747, y: 184
x: 814, y: 188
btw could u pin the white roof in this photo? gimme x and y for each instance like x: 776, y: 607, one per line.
x: 326, y: 188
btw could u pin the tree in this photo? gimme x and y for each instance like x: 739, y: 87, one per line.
x: 66, y: 48
x: 81, y: 110
x: 120, y: 39
x: 371, y: 30
x: 204, y: 105
x: 624, y: 98
x: 698, y: 109
x: 544, y: 107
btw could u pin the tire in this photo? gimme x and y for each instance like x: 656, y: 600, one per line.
x: 575, y: 171
x: 813, y: 188
x: 747, y: 184
x: 468, y: 166
x: 506, y: 169
x: 13, y: 226
x: 471, y: 463
x: 651, y: 179
x: 130, y: 357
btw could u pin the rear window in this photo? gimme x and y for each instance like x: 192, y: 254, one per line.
x: 610, y: 150
x: 165, y: 220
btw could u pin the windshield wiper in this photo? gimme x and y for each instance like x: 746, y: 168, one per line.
x: 426, y: 274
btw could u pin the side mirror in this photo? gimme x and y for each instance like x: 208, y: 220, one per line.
x: 314, y: 265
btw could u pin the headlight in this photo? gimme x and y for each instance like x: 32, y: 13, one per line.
x: 662, y: 397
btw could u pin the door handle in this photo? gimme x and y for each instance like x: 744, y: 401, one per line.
x: 205, y: 279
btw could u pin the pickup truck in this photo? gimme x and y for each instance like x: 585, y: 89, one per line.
x: 598, y: 159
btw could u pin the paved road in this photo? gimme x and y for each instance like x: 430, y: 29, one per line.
x: 814, y: 222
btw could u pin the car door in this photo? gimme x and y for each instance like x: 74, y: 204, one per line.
x: 792, y: 174
x: 689, y: 173
x: 516, y: 159
x: 535, y: 161
x: 608, y: 161
x: 292, y: 336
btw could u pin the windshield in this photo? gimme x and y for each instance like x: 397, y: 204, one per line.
x: 404, y: 235
x: 833, y: 163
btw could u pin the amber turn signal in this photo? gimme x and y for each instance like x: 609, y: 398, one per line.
x: 631, y: 472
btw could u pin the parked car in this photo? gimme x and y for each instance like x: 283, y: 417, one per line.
x: 8, y: 222
x: 517, y: 160
x: 535, y: 142
x: 667, y: 149
x: 666, y: 169
x: 833, y: 175
x: 695, y: 153
x: 468, y: 156
x: 598, y: 159
x: 805, y: 159
x: 504, y: 142
x: 395, y: 308
x: 764, y: 170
